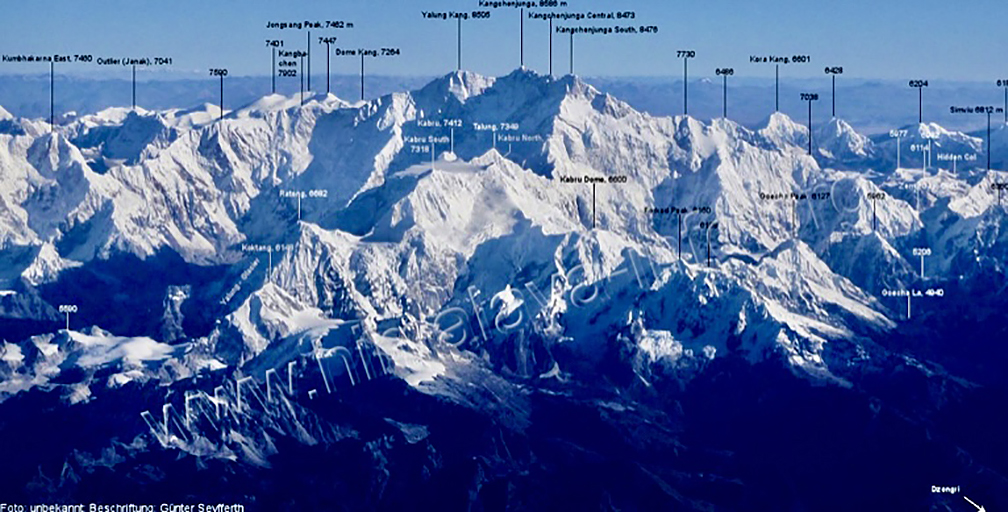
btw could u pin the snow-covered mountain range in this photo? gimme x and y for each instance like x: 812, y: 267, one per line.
x: 480, y: 241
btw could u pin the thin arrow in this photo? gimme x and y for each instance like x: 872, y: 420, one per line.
x: 971, y: 502
x: 593, y: 205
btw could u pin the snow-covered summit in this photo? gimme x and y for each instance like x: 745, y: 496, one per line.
x: 839, y: 142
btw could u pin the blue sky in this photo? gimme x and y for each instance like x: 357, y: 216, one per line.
x: 872, y: 39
